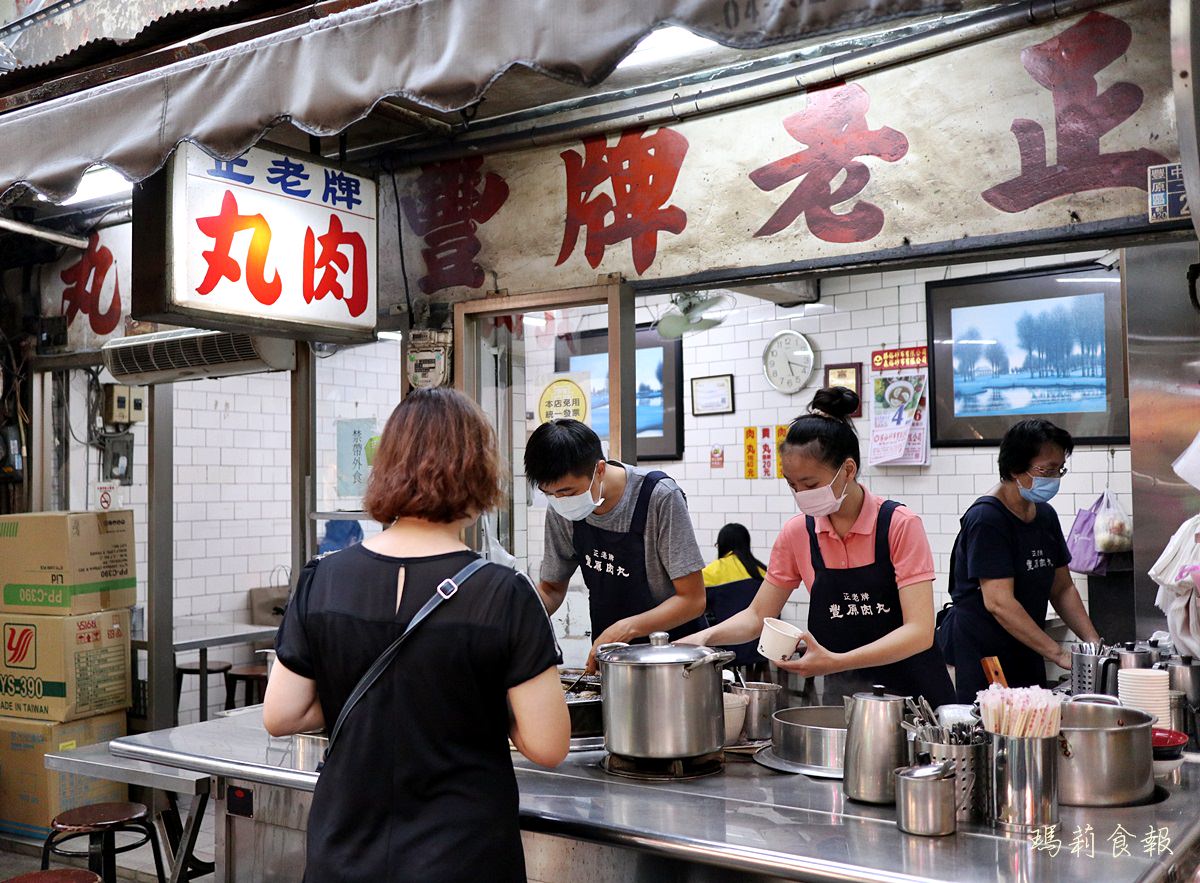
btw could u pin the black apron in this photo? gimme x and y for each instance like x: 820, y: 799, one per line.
x: 838, y: 618
x: 972, y: 633
x: 729, y: 600
x: 614, y: 568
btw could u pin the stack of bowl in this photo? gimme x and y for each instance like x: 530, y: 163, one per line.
x: 1146, y: 689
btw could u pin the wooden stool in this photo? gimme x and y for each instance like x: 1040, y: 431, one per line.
x: 100, y: 823
x: 58, y: 875
x: 254, y: 676
x: 215, y: 667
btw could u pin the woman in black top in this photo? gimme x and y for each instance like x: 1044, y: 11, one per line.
x: 421, y: 784
x: 1009, y: 561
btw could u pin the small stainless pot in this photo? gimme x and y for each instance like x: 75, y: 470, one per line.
x: 1105, y: 755
x: 927, y: 799
x: 662, y: 700
x: 764, y: 702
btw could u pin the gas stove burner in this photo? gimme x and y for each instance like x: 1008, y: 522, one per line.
x: 669, y: 770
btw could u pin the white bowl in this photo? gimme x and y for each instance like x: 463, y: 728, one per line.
x: 1166, y: 767
x: 779, y: 639
x: 735, y: 716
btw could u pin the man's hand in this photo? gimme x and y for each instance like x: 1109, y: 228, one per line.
x: 619, y: 631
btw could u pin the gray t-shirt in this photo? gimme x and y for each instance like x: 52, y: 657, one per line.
x: 671, y: 549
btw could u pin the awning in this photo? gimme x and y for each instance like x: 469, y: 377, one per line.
x: 326, y: 74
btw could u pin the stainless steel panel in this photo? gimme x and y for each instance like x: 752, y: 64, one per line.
x: 268, y: 848
x: 1164, y: 406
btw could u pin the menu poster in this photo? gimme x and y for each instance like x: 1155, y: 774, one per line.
x: 899, y: 422
x: 750, y: 443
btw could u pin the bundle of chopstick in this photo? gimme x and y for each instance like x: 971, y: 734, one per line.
x: 1023, y: 712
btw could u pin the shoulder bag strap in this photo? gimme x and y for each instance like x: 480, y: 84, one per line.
x: 446, y: 590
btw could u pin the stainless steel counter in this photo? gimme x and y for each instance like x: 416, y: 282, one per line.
x: 751, y: 820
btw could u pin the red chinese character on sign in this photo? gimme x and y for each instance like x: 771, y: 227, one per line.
x: 452, y: 200
x: 834, y: 129
x: 221, y: 265
x: 1067, y: 65
x: 642, y: 169
x: 332, y: 261
x: 85, y: 282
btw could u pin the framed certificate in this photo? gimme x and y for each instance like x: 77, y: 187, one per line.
x: 849, y: 375
x: 712, y: 395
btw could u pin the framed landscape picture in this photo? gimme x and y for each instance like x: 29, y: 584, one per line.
x: 1044, y: 343
x: 659, y: 386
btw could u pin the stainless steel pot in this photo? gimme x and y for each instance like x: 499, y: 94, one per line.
x: 1132, y: 656
x: 586, y: 712
x: 662, y: 700
x: 1185, y: 676
x: 814, y: 736
x: 1105, y: 755
x: 763, y: 703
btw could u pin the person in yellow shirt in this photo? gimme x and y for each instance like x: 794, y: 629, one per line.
x: 730, y: 583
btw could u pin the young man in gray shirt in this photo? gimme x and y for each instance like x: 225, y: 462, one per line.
x: 628, y: 528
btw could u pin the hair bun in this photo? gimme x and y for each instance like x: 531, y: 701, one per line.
x: 835, y: 401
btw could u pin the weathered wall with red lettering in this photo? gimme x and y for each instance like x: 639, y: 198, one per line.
x: 1037, y: 134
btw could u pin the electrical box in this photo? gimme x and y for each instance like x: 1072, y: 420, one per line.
x: 12, y: 466
x: 116, y: 403
x: 116, y: 458
x: 137, y: 404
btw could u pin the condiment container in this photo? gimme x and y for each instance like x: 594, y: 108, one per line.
x: 927, y: 798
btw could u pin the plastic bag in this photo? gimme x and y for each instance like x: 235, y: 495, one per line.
x: 492, y: 549
x: 1114, y: 528
x: 1081, y: 542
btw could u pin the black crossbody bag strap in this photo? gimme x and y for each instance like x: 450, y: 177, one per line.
x: 446, y: 590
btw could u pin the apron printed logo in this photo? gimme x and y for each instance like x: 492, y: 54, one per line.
x: 20, y: 645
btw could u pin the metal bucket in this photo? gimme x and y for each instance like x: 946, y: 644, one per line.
x: 764, y: 702
x: 1105, y: 755
x: 1024, y: 774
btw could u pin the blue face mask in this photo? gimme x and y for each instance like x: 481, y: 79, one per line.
x: 1042, y: 490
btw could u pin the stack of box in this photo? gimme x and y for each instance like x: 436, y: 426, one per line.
x: 67, y: 581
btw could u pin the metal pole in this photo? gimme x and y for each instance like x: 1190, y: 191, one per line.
x: 160, y: 554
x: 80, y: 242
x: 304, y: 459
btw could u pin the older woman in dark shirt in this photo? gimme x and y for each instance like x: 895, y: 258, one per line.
x: 1010, y: 560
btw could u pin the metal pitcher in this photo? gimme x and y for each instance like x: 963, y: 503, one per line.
x: 875, y: 746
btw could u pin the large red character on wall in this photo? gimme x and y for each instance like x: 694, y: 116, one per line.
x: 642, y: 169
x: 1067, y: 65
x: 452, y: 199
x: 833, y: 128
x: 85, y: 282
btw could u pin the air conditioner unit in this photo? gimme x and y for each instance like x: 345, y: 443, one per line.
x: 191, y: 353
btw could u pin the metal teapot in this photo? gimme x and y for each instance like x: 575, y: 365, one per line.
x: 875, y: 746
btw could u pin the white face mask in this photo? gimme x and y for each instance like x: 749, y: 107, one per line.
x: 579, y: 506
x: 821, y: 500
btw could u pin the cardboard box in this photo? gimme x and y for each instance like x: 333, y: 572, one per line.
x: 62, y: 668
x: 31, y: 795
x: 65, y: 563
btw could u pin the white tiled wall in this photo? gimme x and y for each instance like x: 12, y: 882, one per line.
x: 233, y: 481
x: 856, y: 314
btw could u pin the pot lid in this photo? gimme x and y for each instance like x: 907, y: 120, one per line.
x: 658, y: 652
x: 878, y: 692
x: 924, y: 769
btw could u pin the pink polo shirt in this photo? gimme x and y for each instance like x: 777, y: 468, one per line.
x: 791, y: 558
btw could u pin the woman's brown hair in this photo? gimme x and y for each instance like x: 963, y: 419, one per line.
x: 437, y: 460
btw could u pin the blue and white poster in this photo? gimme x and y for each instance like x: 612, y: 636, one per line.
x: 354, y: 449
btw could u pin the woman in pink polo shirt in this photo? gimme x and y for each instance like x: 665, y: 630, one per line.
x: 865, y: 561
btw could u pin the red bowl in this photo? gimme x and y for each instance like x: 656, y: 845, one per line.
x: 1161, y: 737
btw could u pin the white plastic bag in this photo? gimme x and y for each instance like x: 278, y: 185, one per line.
x: 1113, y: 528
x: 492, y: 549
